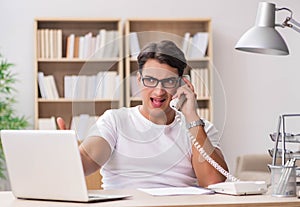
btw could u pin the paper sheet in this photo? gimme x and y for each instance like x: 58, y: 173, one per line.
x: 176, y: 191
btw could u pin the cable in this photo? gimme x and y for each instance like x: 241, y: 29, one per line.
x: 206, y: 156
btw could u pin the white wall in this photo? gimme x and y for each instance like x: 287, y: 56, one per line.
x: 251, y: 90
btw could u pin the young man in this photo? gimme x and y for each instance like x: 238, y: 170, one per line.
x: 149, y: 145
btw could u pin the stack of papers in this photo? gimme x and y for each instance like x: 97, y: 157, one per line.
x: 176, y: 191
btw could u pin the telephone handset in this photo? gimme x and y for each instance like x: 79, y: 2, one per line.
x: 177, y: 102
x: 235, y: 187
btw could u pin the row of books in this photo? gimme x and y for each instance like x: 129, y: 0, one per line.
x: 104, y: 85
x: 81, y: 124
x: 47, y: 86
x: 49, y: 43
x: 200, y: 81
x: 193, y: 46
x: 105, y: 44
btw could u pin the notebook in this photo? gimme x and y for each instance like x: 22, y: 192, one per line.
x: 46, y: 165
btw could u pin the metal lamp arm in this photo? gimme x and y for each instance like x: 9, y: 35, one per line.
x: 293, y: 24
x: 289, y: 21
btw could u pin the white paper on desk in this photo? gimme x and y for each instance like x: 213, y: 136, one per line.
x: 176, y: 191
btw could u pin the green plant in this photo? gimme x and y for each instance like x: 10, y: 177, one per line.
x: 8, y: 118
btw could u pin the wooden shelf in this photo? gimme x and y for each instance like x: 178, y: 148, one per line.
x: 59, y: 67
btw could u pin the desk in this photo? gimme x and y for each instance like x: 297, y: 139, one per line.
x: 142, y: 199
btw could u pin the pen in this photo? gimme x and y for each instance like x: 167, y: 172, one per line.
x: 284, y: 178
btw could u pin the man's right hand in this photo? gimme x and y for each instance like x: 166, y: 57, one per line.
x: 61, y: 123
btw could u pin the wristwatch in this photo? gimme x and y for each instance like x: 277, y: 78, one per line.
x: 198, y: 122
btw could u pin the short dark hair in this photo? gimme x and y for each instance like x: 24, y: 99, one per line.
x: 164, y: 51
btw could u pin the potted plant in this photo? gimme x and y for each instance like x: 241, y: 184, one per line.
x: 8, y: 118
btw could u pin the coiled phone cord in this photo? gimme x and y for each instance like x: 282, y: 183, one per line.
x: 206, y: 156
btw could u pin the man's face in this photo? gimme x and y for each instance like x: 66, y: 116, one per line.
x: 156, y: 98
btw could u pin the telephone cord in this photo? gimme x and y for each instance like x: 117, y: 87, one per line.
x: 206, y: 156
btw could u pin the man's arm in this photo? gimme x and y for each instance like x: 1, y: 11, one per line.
x: 94, y: 151
x: 205, y: 172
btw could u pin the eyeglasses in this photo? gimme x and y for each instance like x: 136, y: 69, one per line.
x: 151, y: 82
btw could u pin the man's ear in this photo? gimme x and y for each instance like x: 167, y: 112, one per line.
x: 138, y: 77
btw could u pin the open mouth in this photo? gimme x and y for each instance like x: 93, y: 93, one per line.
x: 157, y: 102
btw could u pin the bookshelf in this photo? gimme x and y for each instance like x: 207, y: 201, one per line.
x: 79, y: 54
x: 139, y: 32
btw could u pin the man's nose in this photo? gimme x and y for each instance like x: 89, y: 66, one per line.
x: 160, y: 87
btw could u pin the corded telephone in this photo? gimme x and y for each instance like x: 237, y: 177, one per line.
x: 234, y: 186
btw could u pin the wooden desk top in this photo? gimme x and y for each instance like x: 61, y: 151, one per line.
x: 142, y: 199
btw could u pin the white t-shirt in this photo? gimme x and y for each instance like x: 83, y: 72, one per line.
x: 144, y: 154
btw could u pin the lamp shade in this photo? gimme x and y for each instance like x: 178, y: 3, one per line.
x: 263, y: 37
x: 264, y: 40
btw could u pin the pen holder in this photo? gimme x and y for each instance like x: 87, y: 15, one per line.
x: 283, y: 180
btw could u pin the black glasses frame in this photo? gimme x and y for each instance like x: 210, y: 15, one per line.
x: 162, y: 81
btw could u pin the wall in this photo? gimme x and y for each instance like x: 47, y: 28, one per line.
x: 251, y: 90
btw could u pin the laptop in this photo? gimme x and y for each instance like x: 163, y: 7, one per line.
x: 46, y: 165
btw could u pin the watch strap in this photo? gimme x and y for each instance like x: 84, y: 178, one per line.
x: 198, y: 122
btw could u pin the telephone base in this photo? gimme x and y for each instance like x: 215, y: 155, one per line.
x: 240, y: 187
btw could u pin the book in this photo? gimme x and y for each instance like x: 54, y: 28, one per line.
x: 206, y: 82
x: 53, y: 87
x: 198, y: 45
x: 42, y: 47
x: 200, y: 81
x: 47, y: 41
x: 47, y: 123
x: 51, y: 44
x: 109, y: 86
x: 38, y: 44
x: 196, y: 81
x: 186, y: 42
x: 93, y: 46
x: 109, y: 44
x: 48, y: 88
x: 55, y: 45
x: 90, y: 87
x: 99, y: 88
x: 68, y: 86
x: 134, y: 45
x: 118, y: 87
x: 59, y: 43
x: 115, y: 52
x: 87, y: 45
x: 80, y: 87
x: 101, y: 47
x: 41, y: 83
x: 76, y: 47
x: 70, y: 46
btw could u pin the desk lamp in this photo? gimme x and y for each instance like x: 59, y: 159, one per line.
x: 263, y: 37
